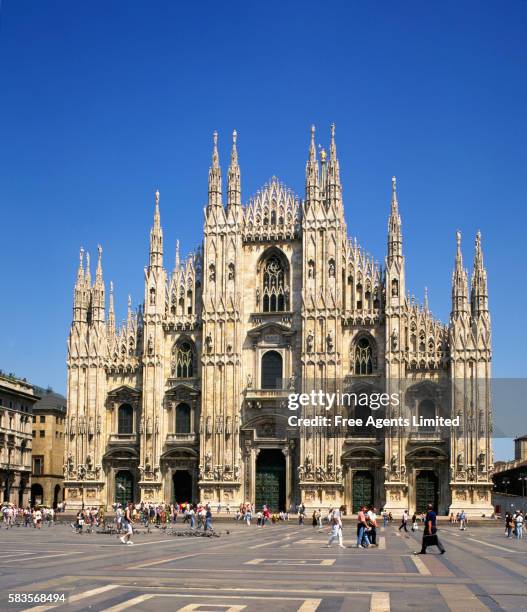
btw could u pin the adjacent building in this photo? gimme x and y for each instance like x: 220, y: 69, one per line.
x: 17, y: 398
x: 49, y: 419
x: 186, y: 400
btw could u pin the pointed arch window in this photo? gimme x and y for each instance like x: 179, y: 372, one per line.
x: 363, y: 357
x: 275, y: 294
x: 183, y: 360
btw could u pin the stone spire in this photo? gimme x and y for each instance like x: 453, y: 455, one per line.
x: 312, y: 183
x: 129, y: 313
x: 479, y: 294
x: 459, y: 284
x: 111, y: 313
x: 177, y: 260
x: 426, y: 305
x: 234, y: 181
x: 334, y: 187
x: 215, y: 175
x: 87, y: 276
x: 98, y: 301
x: 395, y: 237
x: 156, y: 238
x: 79, y: 292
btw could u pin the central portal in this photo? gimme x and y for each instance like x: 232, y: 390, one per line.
x: 182, y: 487
x: 270, y: 480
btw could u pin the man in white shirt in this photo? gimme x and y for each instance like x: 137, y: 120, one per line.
x: 336, y: 528
x: 371, y: 517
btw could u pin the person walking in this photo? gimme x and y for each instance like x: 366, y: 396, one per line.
x: 335, y: 521
x: 415, y: 527
x: 362, y: 526
x: 208, y: 519
x: 404, y: 521
x: 371, y: 518
x: 462, y: 521
x: 430, y: 533
x: 127, y: 526
x: 518, y: 525
x: 509, y: 524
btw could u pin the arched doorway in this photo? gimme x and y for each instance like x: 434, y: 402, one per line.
x: 272, y: 370
x: 426, y: 490
x: 124, y: 487
x: 270, y: 480
x: 56, y: 496
x: 362, y: 490
x: 37, y: 494
x: 182, y: 486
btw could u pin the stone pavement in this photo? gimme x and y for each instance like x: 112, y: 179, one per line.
x: 284, y: 566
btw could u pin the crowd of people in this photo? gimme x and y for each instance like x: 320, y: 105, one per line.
x: 514, y: 524
x: 199, y: 516
x: 15, y: 516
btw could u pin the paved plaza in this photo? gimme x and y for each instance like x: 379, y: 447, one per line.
x: 283, y: 567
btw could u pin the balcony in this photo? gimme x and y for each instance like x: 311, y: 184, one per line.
x: 255, y: 398
x: 174, y: 439
x: 117, y: 439
x: 424, y: 434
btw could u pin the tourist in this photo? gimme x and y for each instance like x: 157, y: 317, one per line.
x: 208, y: 519
x: 509, y: 524
x: 127, y: 526
x: 462, y: 520
x: 518, y: 525
x: 362, y: 527
x: 404, y: 521
x: 430, y: 533
x: 335, y: 521
x: 371, y: 519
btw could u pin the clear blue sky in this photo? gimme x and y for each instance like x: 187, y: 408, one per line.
x: 104, y: 102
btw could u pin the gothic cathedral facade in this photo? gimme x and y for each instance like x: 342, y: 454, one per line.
x: 186, y: 400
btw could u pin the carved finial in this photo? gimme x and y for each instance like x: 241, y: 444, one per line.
x: 323, y: 156
x: 177, y: 253
x: 426, y: 300
x: 215, y: 138
x: 111, y: 287
x: 234, y: 136
x: 129, y: 301
x: 157, y: 197
x: 81, y: 256
x: 332, y: 131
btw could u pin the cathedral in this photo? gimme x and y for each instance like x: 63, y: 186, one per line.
x: 187, y: 400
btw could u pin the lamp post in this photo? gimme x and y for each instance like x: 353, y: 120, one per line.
x: 506, y: 482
